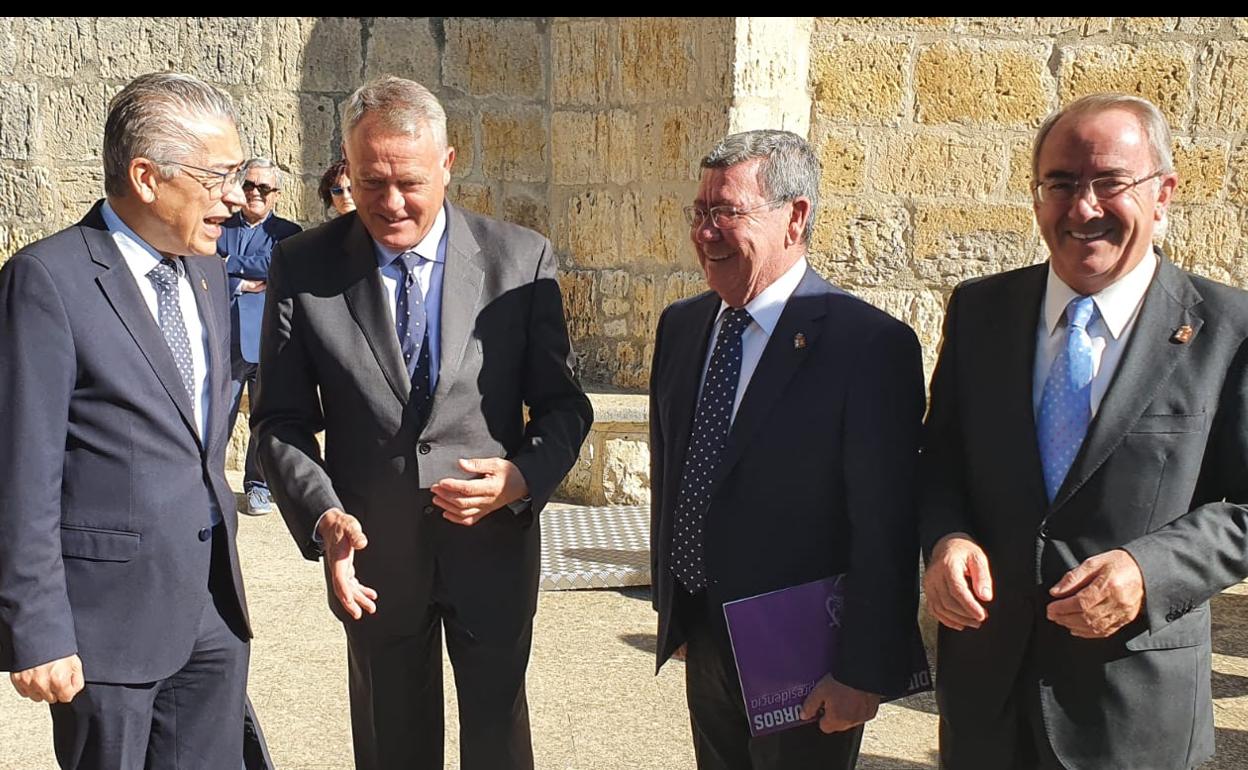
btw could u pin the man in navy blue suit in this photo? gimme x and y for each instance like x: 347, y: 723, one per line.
x: 121, y: 599
x: 246, y: 244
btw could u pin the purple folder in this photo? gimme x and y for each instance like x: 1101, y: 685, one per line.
x: 784, y: 642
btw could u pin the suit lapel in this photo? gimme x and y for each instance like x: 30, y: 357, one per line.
x: 688, y: 352
x: 780, y: 361
x: 1146, y: 364
x: 118, y: 285
x: 1009, y: 352
x: 366, y: 299
x: 462, y: 280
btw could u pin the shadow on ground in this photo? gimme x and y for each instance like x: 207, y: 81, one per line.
x: 622, y: 557
x: 875, y: 762
x: 1230, y: 619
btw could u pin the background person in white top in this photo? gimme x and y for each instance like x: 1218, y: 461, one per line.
x: 1084, y: 481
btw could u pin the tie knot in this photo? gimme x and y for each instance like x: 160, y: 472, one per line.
x: 736, y: 320
x: 1079, y: 312
x: 166, y: 272
x: 408, y: 261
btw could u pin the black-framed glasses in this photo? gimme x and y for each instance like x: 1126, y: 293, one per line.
x: 724, y: 217
x: 259, y: 187
x: 1060, y: 191
x: 339, y: 190
x: 224, y: 180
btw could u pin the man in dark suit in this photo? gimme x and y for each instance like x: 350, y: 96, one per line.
x: 784, y: 429
x: 121, y: 601
x: 414, y: 334
x: 246, y: 244
x: 1084, y: 481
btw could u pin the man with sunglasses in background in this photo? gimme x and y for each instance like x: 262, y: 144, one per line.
x: 1085, y: 472
x: 121, y: 599
x: 246, y: 244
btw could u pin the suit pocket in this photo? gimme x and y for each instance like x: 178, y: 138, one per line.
x: 98, y: 544
x: 1169, y: 423
x: 1188, y: 631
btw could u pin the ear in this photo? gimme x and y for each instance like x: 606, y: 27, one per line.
x: 1165, y: 194
x: 446, y: 165
x: 797, y: 221
x: 144, y: 178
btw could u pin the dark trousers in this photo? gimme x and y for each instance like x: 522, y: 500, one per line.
x: 397, y: 702
x: 247, y: 374
x: 179, y: 722
x: 721, y: 733
x: 255, y: 749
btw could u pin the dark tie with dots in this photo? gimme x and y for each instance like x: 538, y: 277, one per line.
x: 164, y: 278
x: 412, y: 326
x: 710, y: 434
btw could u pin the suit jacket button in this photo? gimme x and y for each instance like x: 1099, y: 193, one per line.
x: 1172, y: 616
x: 205, y: 534
x: 424, y: 448
x: 429, y: 509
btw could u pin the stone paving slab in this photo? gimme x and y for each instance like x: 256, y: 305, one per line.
x: 595, y: 701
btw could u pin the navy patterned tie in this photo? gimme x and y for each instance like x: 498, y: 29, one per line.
x: 164, y: 278
x: 710, y: 435
x: 412, y: 327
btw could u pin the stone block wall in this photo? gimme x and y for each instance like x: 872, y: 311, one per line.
x: 924, y: 126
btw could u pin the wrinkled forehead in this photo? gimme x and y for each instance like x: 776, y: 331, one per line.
x: 1113, y: 141
x: 731, y: 185
x: 261, y: 175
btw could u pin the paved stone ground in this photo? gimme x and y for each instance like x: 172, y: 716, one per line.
x: 595, y: 702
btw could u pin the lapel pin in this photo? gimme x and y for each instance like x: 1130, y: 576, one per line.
x: 203, y: 284
x: 799, y: 341
x: 1182, y: 335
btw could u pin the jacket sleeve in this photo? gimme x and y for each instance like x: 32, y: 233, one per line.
x: 37, y: 379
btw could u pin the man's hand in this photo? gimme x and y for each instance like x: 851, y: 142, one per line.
x: 251, y: 287
x: 1098, y: 597
x: 499, y: 482
x: 341, y: 536
x: 56, y: 681
x: 839, y: 706
x: 958, y: 582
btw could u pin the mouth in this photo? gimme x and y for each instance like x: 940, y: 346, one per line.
x: 212, y: 226
x: 1087, y: 237
x: 718, y: 257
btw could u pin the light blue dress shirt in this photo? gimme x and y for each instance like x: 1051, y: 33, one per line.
x: 432, y: 250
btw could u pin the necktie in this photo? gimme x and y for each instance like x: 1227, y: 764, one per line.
x: 164, y: 278
x: 710, y: 434
x: 412, y: 327
x: 1066, y: 404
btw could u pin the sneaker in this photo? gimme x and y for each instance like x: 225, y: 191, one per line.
x: 258, y: 502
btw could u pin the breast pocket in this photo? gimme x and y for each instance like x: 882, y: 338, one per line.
x: 1169, y: 423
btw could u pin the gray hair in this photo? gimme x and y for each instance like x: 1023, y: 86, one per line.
x: 149, y: 119
x: 404, y: 106
x: 278, y: 178
x: 1151, y: 120
x: 789, y: 169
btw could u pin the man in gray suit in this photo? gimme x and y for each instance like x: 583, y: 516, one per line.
x: 121, y: 601
x: 414, y: 334
x: 1085, y: 472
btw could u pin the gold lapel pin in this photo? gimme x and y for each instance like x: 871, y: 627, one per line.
x: 799, y: 341
x: 1182, y: 335
x: 203, y: 284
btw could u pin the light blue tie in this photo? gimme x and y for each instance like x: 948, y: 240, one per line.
x: 1066, y: 404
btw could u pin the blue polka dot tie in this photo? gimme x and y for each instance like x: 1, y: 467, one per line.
x: 710, y: 434
x: 413, y: 329
x: 164, y: 278
x: 1066, y: 404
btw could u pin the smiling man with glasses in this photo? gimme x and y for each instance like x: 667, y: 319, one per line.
x: 246, y: 244
x: 121, y: 600
x: 1084, y: 479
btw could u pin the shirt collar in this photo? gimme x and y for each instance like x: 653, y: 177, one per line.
x: 765, y: 309
x: 430, y: 247
x: 1116, y: 303
x: 245, y: 223
x: 140, y: 257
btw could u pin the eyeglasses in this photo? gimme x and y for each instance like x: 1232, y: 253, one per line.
x: 224, y: 180
x: 1062, y: 191
x: 724, y: 217
x: 339, y: 190
x: 263, y: 189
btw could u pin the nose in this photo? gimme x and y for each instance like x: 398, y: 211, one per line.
x: 1085, y: 205
x: 234, y: 196
x: 393, y: 199
x: 705, y: 232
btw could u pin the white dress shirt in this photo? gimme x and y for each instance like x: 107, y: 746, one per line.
x: 1117, y: 307
x: 765, y: 310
